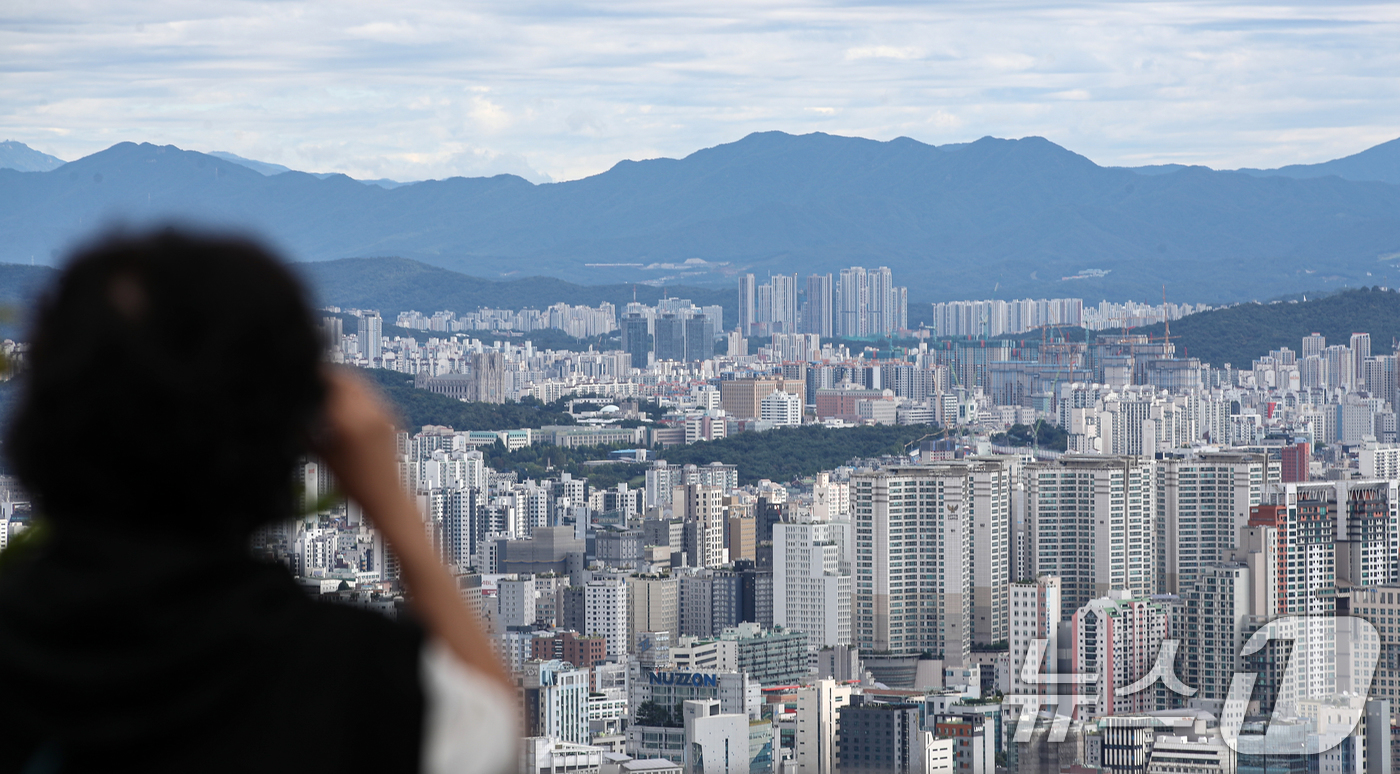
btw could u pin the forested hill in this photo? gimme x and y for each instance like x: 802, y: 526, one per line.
x: 1240, y: 334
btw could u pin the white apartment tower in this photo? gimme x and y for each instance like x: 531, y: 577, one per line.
x: 783, y: 409
x: 913, y: 553
x: 1202, y: 502
x: 1091, y: 523
x: 1035, y: 615
x: 702, y: 509
x: 605, y: 612
x: 991, y: 546
x: 812, y: 581
x: 516, y: 599
x: 852, y: 298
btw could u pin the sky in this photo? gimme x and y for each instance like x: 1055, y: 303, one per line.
x: 555, y: 91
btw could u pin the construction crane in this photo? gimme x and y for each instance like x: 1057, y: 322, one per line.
x: 1166, y: 322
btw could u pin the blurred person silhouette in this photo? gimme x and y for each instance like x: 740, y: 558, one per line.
x: 173, y: 383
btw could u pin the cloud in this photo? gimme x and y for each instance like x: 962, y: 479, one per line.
x: 433, y: 88
x: 882, y: 52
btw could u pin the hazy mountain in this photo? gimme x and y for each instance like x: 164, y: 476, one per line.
x: 1381, y: 163
x: 18, y: 156
x: 267, y: 168
x: 394, y: 285
x: 1004, y: 218
x: 261, y: 167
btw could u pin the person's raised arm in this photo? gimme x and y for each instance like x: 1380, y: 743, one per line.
x: 358, y: 444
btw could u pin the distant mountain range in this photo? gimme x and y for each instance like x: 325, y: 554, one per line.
x: 264, y: 168
x: 991, y: 218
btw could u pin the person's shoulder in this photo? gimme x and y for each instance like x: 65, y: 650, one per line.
x: 352, y: 630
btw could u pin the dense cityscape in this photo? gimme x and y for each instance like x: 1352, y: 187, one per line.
x: 1062, y: 572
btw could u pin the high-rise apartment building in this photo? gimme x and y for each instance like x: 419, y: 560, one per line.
x: 817, y: 310
x: 992, y: 479
x: 700, y: 333
x: 1307, y: 558
x: 1295, y: 462
x: 370, y: 336
x: 748, y: 304
x: 1035, y: 615
x: 488, y: 377
x: 1366, y: 519
x: 1117, y: 638
x: 913, y: 536
x: 653, y: 605
x: 1360, y: 352
x: 1092, y: 525
x: 1202, y: 501
x: 701, y: 508
x: 1220, y: 616
x: 605, y: 612
x: 783, y: 318
x: 812, y: 580
x: 1313, y: 344
x: 670, y: 337
x: 852, y: 303
x: 636, y: 339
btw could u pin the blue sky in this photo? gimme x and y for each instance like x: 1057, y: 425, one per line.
x: 414, y: 90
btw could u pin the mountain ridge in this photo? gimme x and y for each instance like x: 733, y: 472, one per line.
x: 990, y: 218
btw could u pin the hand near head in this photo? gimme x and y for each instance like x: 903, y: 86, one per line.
x: 358, y: 442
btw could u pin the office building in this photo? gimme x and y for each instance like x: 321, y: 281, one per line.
x: 715, y: 742
x: 885, y: 738
x: 770, y: 657
x: 783, y: 409
x: 554, y: 696
x: 516, y: 600
x: 1295, y: 463
x: 700, y: 333
x: 819, y: 708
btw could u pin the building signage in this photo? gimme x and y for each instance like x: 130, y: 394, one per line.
x: 694, y: 679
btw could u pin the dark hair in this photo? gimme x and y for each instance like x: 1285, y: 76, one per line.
x: 171, y: 382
